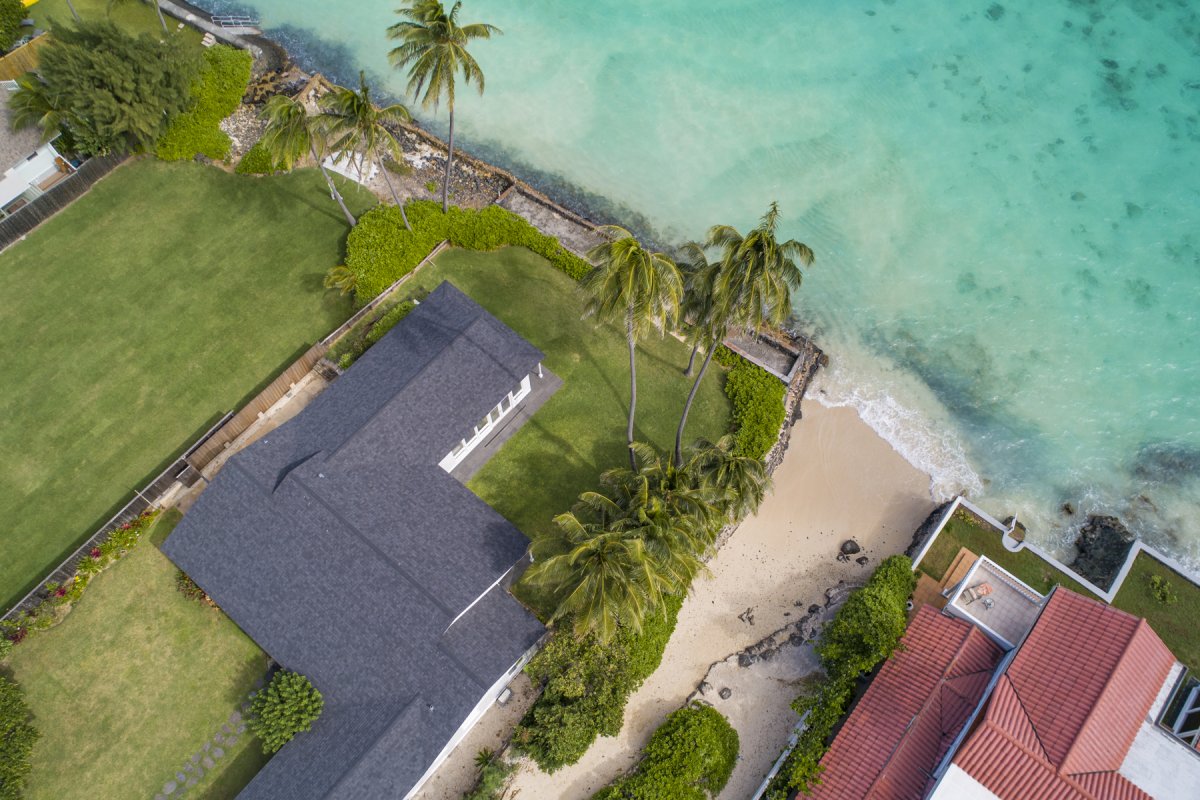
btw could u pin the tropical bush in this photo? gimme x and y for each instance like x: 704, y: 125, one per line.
x: 17, y: 737
x: 256, y: 161
x: 758, y: 406
x: 11, y: 14
x: 109, y: 90
x: 689, y: 757
x: 215, y: 95
x: 381, y: 250
x: 494, y: 772
x: 288, y: 705
x: 358, y: 340
x: 864, y: 632
x: 60, y: 597
x: 586, y: 684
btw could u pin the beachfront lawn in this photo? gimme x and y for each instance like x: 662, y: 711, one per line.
x: 133, y: 682
x: 135, y: 16
x: 166, y: 296
x: 963, y: 530
x: 580, y: 432
x: 1174, y: 622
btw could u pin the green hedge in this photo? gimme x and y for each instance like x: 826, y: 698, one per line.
x: 380, y: 250
x: 864, y: 632
x: 359, y: 339
x: 586, y: 687
x: 288, y: 705
x: 11, y: 14
x: 256, y: 161
x: 689, y: 757
x: 758, y: 404
x: 215, y: 96
x: 17, y: 737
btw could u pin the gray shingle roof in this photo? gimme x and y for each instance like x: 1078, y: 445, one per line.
x: 345, y: 552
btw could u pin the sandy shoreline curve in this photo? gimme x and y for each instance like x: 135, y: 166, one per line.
x: 838, y: 480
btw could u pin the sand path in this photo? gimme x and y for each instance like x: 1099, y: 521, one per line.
x: 838, y: 480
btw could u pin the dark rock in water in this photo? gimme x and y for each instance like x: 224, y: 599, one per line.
x: 850, y: 547
x: 861, y: 560
x: 745, y: 659
x: 995, y: 12
x: 705, y: 687
x: 1171, y: 463
x: 768, y: 654
x: 796, y: 639
x: 1109, y: 63
x: 814, y: 608
x: 1068, y: 509
x: 725, y: 693
x: 1103, y: 544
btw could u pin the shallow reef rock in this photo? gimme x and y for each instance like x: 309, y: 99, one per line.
x: 1103, y: 544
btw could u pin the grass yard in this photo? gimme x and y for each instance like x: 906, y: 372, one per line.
x: 1173, y: 622
x: 580, y: 432
x: 164, y: 297
x: 133, y: 682
x: 134, y: 15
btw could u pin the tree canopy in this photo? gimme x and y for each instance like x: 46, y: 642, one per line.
x: 11, y: 14
x: 113, y: 92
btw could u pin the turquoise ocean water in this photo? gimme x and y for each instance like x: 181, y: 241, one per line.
x: 1003, y: 198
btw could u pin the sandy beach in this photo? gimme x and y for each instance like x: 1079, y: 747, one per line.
x: 838, y: 480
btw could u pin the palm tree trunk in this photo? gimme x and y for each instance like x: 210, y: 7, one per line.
x: 687, y: 407
x: 449, y: 161
x: 692, y: 360
x: 74, y: 13
x: 161, y: 20
x: 332, y: 189
x: 387, y: 179
x: 632, y: 388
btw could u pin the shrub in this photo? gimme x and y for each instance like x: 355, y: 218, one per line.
x: 862, y: 634
x: 758, y: 409
x: 494, y: 772
x: 17, y: 737
x: 351, y: 347
x: 689, y: 757
x: 256, y: 161
x: 288, y: 705
x: 189, y: 589
x: 1161, y: 589
x: 586, y: 685
x: 6, y: 647
x: 215, y: 95
x: 380, y: 250
x: 11, y: 14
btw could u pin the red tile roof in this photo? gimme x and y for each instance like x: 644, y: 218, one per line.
x: 1067, y: 709
x: 911, y: 713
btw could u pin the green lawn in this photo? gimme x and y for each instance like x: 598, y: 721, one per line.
x: 1174, y: 623
x: 133, y: 682
x: 135, y: 15
x: 132, y: 320
x: 580, y: 432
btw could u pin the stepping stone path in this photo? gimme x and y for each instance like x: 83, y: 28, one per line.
x: 205, y: 760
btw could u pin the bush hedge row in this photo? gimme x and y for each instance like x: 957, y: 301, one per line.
x: 689, y: 757
x: 865, y: 632
x: 758, y: 403
x: 17, y: 737
x: 380, y: 250
x: 216, y: 94
x: 586, y: 685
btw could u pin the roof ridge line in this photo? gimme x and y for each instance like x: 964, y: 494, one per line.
x: 1126, y: 650
x: 1025, y: 712
x: 395, y: 565
x: 924, y: 706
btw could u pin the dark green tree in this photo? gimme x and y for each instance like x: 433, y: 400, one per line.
x: 434, y: 48
x: 290, y: 133
x: 288, y: 705
x: 11, y: 14
x: 17, y: 737
x: 115, y: 92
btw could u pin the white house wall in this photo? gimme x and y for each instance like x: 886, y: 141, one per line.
x: 27, y: 173
x: 1157, y: 762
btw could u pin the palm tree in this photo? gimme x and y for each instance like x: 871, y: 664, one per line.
x: 161, y: 20
x: 33, y: 105
x: 341, y: 278
x: 434, y: 48
x: 606, y: 579
x: 751, y: 286
x: 739, y: 482
x: 640, y: 288
x: 354, y: 123
x: 289, y: 133
x: 708, y: 313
